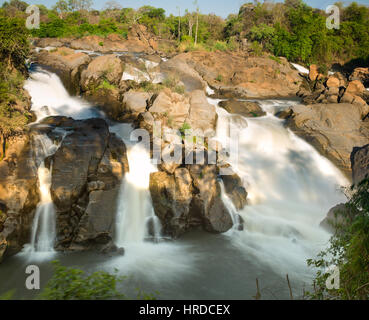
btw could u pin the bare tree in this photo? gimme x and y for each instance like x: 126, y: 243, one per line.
x: 179, y: 24
x: 197, y: 20
x: 113, y: 5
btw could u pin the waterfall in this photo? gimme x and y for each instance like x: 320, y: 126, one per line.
x: 136, y: 219
x: 290, y: 189
x: 50, y: 98
x: 43, y: 229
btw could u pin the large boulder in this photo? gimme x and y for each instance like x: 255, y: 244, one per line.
x: 87, y: 170
x: 202, y: 114
x: 207, y: 203
x: 135, y: 102
x: 100, y: 84
x: 172, y: 196
x: 66, y: 63
x: 173, y: 107
x: 112, y: 43
x: 189, y: 198
x: 362, y: 75
x: 244, y: 108
x: 334, y: 129
x: 336, y: 218
x: 18, y: 195
x: 360, y: 164
x: 108, y: 67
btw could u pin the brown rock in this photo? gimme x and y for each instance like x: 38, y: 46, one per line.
x: 355, y: 87
x: 333, y: 82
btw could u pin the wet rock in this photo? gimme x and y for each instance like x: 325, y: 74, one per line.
x: 360, y: 164
x: 334, y: 129
x: 244, y: 108
x: 18, y: 194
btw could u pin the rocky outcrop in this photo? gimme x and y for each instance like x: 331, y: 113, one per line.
x: 244, y: 108
x: 360, y: 164
x: 100, y: 84
x: 334, y: 129
x: 67, y: 64
x: 362, y: 75
x: 18, y: 195
x: 334, y: 89
x: 236, y: 75
x: 86, y: 174
x: 336, y: 218
x: 189, y: 198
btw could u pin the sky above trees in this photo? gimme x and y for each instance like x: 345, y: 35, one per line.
x: 219, y: 7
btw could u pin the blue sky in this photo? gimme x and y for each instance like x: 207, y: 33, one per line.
x: 219, y: 7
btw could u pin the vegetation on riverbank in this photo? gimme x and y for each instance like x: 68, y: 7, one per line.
x: 14, y: 101
x: 349, y: 251
x: 291, y: 29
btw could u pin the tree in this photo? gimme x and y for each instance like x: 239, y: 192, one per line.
x: 179, y: 24
x: 348, y: 250
x: 197, y: 20
x: 61, y: 7
x: 112, y: 5
x: 78, y: 5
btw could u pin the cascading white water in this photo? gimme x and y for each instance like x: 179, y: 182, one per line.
x: 135, y: 214
x: 43, y: 229
x: 50, y: 98
x: 290, y: 190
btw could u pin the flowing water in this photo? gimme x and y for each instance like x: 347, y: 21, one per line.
x: 43, y: 229
x: 290, y: 187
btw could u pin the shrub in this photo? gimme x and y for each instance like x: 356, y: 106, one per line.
x: 73, y: 284
x: 349, y: 251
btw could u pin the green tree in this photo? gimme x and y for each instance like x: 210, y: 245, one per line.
x: 349, y: 251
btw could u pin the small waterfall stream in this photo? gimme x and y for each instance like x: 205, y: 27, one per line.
x: 43, y: 228
x: 136, y: 219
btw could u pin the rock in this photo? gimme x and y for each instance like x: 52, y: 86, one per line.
x: 172, y: 197
x: 234, y: 74
x: 355, y: 87
x: 18, y: 194
x: 99, y: 44
x: 361, y: 74
x: 360, y: 164
x: 336, y: 218
x: 107, y: 67
x: 235, y: 190
x: 244, y: 108
x: 179, y: 69
x: 334, y: 129
x: 86, y: 174
x: 202, y: 114
x: 173, y: 107
x: 207, y: 204
x: 189, y: 198
x: 135, y: 103
x: 77, y: 158
x: 98, y: 222
x: 48, y: 42
x: 67, y: 64
x: 313, y: 72
x: 333, y: 82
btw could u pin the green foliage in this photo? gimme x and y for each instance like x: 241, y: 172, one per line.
x: 349, y: 250
x: 73, y: 284
x: 14, y: 47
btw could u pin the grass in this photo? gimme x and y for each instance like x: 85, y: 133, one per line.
x: 276, y: 59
